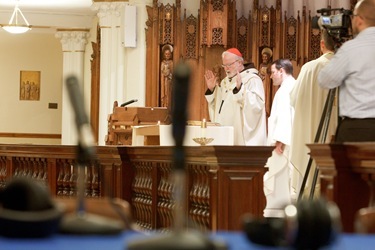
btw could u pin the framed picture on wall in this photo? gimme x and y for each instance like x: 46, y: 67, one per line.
x: 30, y: 85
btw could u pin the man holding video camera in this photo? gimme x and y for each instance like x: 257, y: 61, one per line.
x: 352, y: 69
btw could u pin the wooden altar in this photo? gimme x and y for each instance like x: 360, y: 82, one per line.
x: 347, y: 176
x: 223, y: 182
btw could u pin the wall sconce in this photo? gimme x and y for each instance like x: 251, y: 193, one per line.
x: 14, y: 26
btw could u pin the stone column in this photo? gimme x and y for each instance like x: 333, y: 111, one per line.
x: 111, y: 61
x: 122, y: 70
x: 73, y: 47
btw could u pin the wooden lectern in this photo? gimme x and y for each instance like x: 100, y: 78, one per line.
x: 122, y: 119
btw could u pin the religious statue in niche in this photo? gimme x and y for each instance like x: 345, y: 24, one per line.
x: 166, y: 69
x: 30, y: 85
x: 264, y: 72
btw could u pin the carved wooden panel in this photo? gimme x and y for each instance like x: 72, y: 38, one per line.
x: 314, y: 41
x: 191, y: 35
x: 217, y: 23
x: 203, y: 15
x: 222, y: 184
x: 232, y: 24
x: 232, y: 181
x: 142, y: 199
x: 165, y: 202
x: 199, y: 196
x: 167, y: 19
x: 267, y: 27
x: 56, y: 167
x: 243, y: 36
x: 291, y: 32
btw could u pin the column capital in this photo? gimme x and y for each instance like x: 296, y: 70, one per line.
x: 141, y: 2
x: 109, y: 13
x: 73, y: 40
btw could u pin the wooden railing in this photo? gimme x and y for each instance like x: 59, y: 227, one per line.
x: 347, y: 176
x: 55, y: 166
x: 223, y: 182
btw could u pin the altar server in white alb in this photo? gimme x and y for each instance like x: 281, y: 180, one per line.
x: 276, y: 179
x: 238, y: 100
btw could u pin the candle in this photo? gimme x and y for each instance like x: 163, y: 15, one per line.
x: 204, y: 123
x: 203, y: 128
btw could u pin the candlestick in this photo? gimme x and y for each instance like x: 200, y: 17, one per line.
x: 203, y: 128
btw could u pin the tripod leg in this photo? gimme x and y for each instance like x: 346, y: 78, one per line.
x: 324, y: 122
x: 303, y: 185
x: 313, y: 185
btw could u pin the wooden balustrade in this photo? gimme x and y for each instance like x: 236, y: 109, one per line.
x: 55, y: 166
x: 347, y: 174
x: 222, y: 182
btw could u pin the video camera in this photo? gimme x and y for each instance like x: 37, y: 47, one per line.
x: 336, y: 21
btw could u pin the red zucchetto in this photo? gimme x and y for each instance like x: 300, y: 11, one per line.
x: 234, y: 51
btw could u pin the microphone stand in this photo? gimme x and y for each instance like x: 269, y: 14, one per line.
x: 180, y: 238
x: 82, y: 222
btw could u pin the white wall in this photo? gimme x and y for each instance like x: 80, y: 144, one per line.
x: 32, y: 52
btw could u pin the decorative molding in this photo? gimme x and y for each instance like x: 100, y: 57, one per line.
x: 73, y: 41
x: 31, y: 135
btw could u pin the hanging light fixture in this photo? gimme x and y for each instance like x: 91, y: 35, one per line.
x: 14, y: 26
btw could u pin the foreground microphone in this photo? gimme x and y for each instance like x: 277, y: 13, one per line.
x: 310, y: 224
x: 179, y: 112
x: 128, y: 102
x: 85, y: 137
x: 179, y: 238
x: 82, y: 222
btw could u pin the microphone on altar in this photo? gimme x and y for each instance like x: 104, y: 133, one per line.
x: 128, y: 102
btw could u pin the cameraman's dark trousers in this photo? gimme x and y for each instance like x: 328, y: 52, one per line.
x: 355, y: 130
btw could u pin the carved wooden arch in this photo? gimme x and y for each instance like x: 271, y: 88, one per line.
x: 200, y: 40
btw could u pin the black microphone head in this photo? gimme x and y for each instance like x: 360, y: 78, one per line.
x: 128, y: 102
x: 86, y: 149
x: 181, y: 80
x: 76, y: 99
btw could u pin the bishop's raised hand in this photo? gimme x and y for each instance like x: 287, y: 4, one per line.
x: 211, y: 80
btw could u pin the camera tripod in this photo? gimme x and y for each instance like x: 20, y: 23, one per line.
x: 320, y: 136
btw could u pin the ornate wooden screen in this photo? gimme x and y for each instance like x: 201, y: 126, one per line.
x: 201, y: 39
